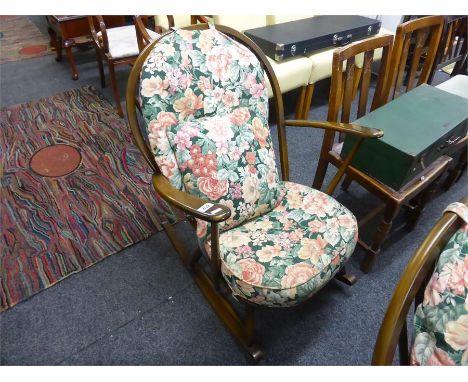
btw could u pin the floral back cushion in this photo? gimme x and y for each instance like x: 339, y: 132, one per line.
x: 195, y: 74
x: 229, y: 161
x: 441, y: 320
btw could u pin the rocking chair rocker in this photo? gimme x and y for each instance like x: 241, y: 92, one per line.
x: 268, y: 242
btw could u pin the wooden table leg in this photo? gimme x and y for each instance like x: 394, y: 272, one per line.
x: 68, y: 46
x: 391, y: 211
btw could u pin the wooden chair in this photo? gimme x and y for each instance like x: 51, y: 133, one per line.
x: 414, y: 53
x: 215, y: 277
x: 453, y: 46
x: 144, y: 38
x: 410, y: 288
x: 117, y: 45
x: 344, y: 86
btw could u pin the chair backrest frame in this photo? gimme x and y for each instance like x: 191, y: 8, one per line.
x: 426, y: 29
x: 344, y: 86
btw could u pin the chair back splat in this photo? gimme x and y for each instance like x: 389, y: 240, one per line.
x: 414, y: 53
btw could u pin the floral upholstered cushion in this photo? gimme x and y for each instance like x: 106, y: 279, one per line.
x: 286, y: 255
x: 229, y: 162
x: 195, y: 74
x: 441, y: 321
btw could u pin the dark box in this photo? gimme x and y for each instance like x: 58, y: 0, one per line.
x: 298, y: 37
x: 419, y: 127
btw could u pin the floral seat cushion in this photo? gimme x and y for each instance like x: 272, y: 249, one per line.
x: 283, y: 257
x: 441, y: 320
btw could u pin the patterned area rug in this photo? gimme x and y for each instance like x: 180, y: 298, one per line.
x: 87, y: 196
x: 20, y: 39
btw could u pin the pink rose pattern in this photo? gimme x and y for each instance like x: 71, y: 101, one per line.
x: 441, y: 320
x: 276, y: 240
x: 204, y: 149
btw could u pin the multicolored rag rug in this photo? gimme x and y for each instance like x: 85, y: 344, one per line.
x: 21, y: 39
x: 74, y: 190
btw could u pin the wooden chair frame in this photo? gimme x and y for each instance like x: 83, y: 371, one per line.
x: 344, y: 86
x: 211, y: 283
x: 102, y: 52
x: 414, y: 31
x: 410, y: 289
x: 453, y: 46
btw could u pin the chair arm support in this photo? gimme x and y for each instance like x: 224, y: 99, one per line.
x: 347, y: 128
x: 187, y: 202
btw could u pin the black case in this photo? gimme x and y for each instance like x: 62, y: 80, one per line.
x: 298, y: 37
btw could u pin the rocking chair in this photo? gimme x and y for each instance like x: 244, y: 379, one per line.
x: 267, y: 242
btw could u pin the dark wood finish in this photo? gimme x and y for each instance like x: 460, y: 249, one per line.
x: 212, y: 283
x: 412, y: 284
x: 71, y: 31
x: 414, y: 53
x: 342, y: 87
x: 342, y: 93
x: 101, y: 45
x: 453, y: 46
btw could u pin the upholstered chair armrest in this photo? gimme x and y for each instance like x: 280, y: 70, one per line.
x: 347, y: 128
x: 189, y: 203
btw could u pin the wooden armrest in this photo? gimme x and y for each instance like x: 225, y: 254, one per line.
x: 347, y: 128
x: 187, y: 202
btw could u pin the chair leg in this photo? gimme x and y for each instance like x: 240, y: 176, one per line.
x: 322, y: 167
x: 101, y: 68
x: 307, y: 101
x: 346, y: 183
x: 346, y: 278
x: 383, y: 230
x: 455, y: 173
x: 419, y: 203
x: 115, y: 88
x: 300, y: 102
x: 241, y: 329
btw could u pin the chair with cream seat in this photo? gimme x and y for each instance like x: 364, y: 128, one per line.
x: 263, y: 241
x: 117, y: 45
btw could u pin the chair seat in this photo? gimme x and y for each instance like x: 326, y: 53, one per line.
x: 283, y: 257
x: 291, y: 73
x: 123, y: 41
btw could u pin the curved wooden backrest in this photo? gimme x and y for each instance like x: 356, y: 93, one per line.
x: 416, y: 45
x: 132, y: 94
x: 141, y: 25
x: 411, y: 288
